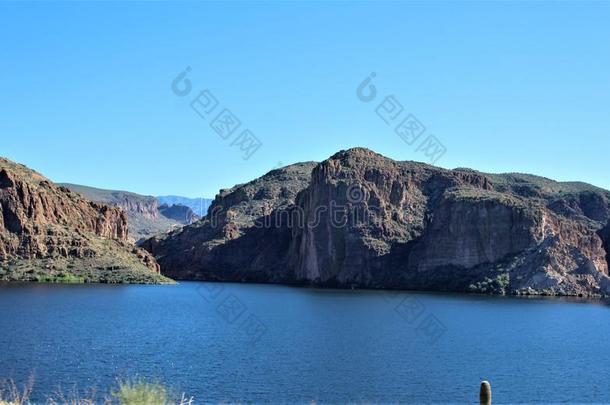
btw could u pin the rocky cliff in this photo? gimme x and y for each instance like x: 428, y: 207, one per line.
x: 359, y: 219
x: 146, y: 217
x: 49, y: 233
x: 245, y: 235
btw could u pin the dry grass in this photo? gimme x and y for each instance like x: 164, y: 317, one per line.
x: 129, y: 392
x: 10, y: 394
x: 73, y: 397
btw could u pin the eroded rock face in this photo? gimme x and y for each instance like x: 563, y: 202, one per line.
x: 55, y: 227
x: 476, y: 227
x: 145, y: 217
x: 360, y: 219
x: 245, y: 235
x: 604, y: 234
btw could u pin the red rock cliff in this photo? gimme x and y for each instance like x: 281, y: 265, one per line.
x: 44, y: 222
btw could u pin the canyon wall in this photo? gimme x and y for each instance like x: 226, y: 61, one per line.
x: 47, y: 229
x: 361, y: 220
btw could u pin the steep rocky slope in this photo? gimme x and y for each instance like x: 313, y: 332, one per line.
x: 239, y: 232
x: 49, y: 233
x: 359, y: 219
x: 146, y: 217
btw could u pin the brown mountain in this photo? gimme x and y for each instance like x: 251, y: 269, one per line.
x: 359, y: 219
x: 49, y: 233
x: 145, y: 217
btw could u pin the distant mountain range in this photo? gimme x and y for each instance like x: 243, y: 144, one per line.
x: 198, y: 205
x: 148, y: 215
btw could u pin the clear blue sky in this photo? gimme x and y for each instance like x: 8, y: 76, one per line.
x: 86, y: 95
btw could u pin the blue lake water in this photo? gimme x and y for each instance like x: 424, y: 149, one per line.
x: 258, y: 343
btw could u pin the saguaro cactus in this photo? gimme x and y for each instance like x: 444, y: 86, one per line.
x: 485, y: 394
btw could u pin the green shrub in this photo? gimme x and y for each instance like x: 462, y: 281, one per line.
x: 497, y: 285
x: 140, y: 392
x: 63, y: 278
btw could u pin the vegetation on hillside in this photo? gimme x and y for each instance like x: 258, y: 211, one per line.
x: 77, y: 271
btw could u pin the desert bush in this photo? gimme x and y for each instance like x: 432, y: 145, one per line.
x: 10, y: 394
x: 140, y: 392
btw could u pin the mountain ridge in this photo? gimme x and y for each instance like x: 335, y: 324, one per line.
x: 198, y: 205
x: 410, y: 225
x: 49, y: 233
x: 146, y: 217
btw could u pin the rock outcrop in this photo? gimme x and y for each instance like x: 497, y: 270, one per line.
x: 250, y: 219
x: 198, y: 205
x: 359, y: 219
x: 179, y: 213
x: 48, y: 232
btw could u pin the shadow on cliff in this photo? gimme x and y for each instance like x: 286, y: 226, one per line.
x: 604, y: 234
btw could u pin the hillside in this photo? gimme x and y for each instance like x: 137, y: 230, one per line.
x: 359, y: 219
x: 145, y: 219
x: 49, y: 233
